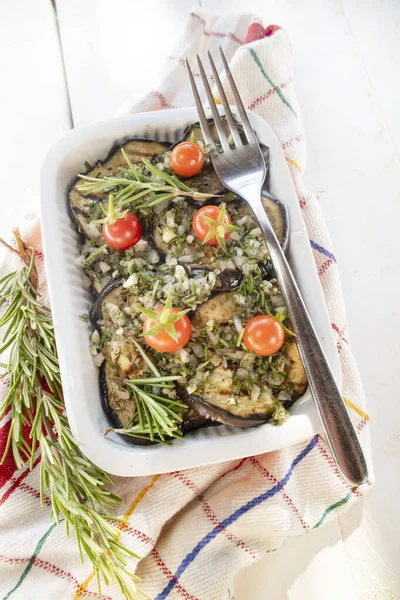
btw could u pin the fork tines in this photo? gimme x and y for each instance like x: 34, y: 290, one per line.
x: 248, y: 130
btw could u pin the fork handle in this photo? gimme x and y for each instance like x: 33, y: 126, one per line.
x: 341, y: 435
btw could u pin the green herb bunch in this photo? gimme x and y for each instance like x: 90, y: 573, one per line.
x: 134, y: 184
x: 77, y: 488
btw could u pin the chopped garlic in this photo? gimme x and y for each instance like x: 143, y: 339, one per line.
x: 104, y: 267
x: 98, y: 359
x: 95, y: 337
x: 131, y: 281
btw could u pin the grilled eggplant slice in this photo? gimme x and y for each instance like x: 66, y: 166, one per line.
x: 295, y: 371
x: 207, y: 180
x: 168, y: 240
x: 277, y: 213
x: 82, y: 208
x: 219, y: 402
x: 220, y: 309
x: 217, y: 398
x: 217, y: 406
x: 120, y: 359
x: 279, y: 217
x: 136, y: 149
x: 124, y: 363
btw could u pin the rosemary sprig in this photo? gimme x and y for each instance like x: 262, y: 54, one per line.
x: 76, y: 486
x: 158, y: 416
x: 133, y: 185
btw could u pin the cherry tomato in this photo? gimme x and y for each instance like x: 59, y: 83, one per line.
x: 124, y: 233
x: 264, y: 335
x: 187, y: 159
x: 163, y: 342
x: 201, y: 228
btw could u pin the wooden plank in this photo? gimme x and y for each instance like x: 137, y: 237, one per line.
x: 115, y: 52
x: 34, y: 102
x: 376, y: 30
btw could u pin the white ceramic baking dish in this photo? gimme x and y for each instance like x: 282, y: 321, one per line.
x: 70, y: 298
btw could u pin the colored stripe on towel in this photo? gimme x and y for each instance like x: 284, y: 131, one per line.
x: 293, y: 162
x: 332, y: 507
x: 31, y: 561
x: 322, y: 250
x: 218, y: 34
x: 134, y: 504
x: 189, y: 558
x: 271, y: 83
x: 357, y: 410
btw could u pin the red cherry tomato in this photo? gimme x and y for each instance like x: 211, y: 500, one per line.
x: 124, y: 233
x: 263, y: 335
x: 163, y: 342
x: 201, y: 228
x: 187, y: 159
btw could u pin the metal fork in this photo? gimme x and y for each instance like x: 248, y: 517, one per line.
x: 242, y: 170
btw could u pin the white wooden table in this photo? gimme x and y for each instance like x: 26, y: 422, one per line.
x: 347, y: 60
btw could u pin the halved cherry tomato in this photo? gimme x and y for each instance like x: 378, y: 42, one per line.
x: 263, y: 335
x: 123, y: 233
x: 201, y: 227
x: 163, y: 342
x: 187, y: 159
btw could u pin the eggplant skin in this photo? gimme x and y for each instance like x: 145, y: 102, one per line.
x: 213, y: 413
x: 96, y: 311
x: 278, y: 215
x: 219, y: 308
x: 194, y: 421
x: 217, y: 411
x: 229, y: 279
x: 95, y: 317
x: 207, y: 182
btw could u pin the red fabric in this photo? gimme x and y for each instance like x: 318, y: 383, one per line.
x: 256, y: 32
x: 8, y: 468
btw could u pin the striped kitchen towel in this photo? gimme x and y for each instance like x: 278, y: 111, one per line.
x: 196, y: 528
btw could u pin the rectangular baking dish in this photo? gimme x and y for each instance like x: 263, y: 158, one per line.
x: 70, y: 298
